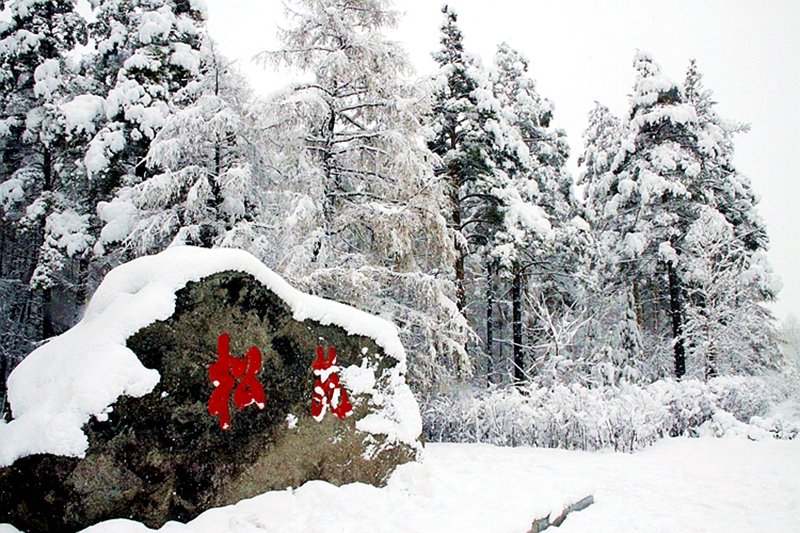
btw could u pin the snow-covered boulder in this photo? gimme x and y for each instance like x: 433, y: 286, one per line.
x: 114, y: 418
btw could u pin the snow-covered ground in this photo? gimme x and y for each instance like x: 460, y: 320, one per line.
x: 678, y: 485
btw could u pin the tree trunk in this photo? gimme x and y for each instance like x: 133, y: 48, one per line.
x: 82, y: 290
x: 711, y: 362
x: 47, y: 170
x: 3, y: 230
x: 516, y: 326
x: 637, y: 304
x: 48, y: 328
x: 461, y: 295
x: 489, y: 321
x: 217, y: 165
x: 331, y: 181
x: 676, y: 310
x: 4, y: 364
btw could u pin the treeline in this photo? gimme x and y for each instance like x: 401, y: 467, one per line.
x: 442, y: 203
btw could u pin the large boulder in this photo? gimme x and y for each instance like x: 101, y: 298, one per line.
x: 112, y: 419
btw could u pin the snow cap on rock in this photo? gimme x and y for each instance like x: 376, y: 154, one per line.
x: 82, y: 372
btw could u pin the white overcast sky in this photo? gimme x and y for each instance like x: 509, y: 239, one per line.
x: 582, y: 50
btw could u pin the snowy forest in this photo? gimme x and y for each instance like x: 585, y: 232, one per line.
x: 440, y: 201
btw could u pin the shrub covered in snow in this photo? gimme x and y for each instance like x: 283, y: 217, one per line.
x: 625, y: 418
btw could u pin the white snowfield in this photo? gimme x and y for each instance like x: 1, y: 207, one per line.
x: 80, y: 374
x: 707, y: 484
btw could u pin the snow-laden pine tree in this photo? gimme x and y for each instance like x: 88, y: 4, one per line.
x: 537, y: 252
x: 147, y: 50
x: 727, y: 329
x: 69, y: 120
x: 612, y: 337
x: 42, y: 218
x: 484, y: 158
x: 601, y: 139
x: 673, y: 164
x: 652, y: 199
x: 204, y: 162
x: 724, y: 188
x: 728, y: 275
x: 467, y: 135
x: 365, y: 209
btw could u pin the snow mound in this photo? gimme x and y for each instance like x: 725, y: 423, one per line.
x: 81, y: 373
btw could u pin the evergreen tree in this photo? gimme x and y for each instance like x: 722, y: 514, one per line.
x: 723, y: 187
x: 538, y: 246
x: 652, y: 194
x: 669, y: 178
x: 207, y: 169
x: 602, y: 139
x: 727, y: 329
x: 613, y: 337
x: 467, y: 136
x: 36, y: 164
x: 484, y: 161
x: 729, y: 277
x: 147, y: 50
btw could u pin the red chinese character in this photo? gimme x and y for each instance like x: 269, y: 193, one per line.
x: 224, y: 374
x: 327, y: 389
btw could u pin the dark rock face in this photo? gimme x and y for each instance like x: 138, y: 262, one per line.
x: 164, y: 457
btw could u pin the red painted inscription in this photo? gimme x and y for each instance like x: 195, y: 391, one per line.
x: 328, y: 392
x: 223, y: 375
